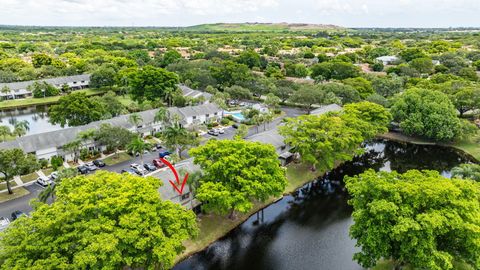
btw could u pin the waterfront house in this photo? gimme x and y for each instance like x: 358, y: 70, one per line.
x: 49, y: 144
x: 21, y: 89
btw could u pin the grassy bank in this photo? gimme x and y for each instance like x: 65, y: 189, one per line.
x: 470, y: 146
x: 389, y: 265
x: 212, y: 227
x: 17, y: 193
x: 17, y: 103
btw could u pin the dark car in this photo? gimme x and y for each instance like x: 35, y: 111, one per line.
x: 149, y: 167
x: 158, y: 163
x: 99, y: 163
x: 163, y: 154
x: 235, y: 125
x: 130, y: 171
x: 17, y: 214
x: 158, y: 146
x: 83, y: 169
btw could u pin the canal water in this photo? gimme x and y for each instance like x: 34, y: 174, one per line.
x: 36, y: 116
x: 309, y: 229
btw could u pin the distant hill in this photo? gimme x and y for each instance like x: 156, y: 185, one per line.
x: 265, y: 27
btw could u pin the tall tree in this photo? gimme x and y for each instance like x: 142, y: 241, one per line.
x: 75, y: 109
x: 427, y: 113
x: 113, y: 137
x: 135, y: 119
x: 308, y: 95
x: 420, y: 219
x: 138, y: 146
x: 4, y: 132
x: 50, y: 191
x: 21, y: 127
x: 151, y: 83
x: 178, y: 138
x: 128, y: 226
x: 15, y: 162
x: 236, y: 172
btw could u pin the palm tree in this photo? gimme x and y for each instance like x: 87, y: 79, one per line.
x: 467, y: 171
x: 73, y: 147
x: 21, y: 128
x: 267, y: 118
x: 135, y: 119
x: 173, y: 135
x: 4, y: 132
x: 162, y: 115
x: 86, y: 136
x: 138, y: 146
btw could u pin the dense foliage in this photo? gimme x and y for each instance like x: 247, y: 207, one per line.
x: 127, y: 226
x: 235, y: 173
x: 421, y: 219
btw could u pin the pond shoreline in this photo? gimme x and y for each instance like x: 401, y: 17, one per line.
x: 402, y: 138
x: 244, y: 217
x: 192, y: 249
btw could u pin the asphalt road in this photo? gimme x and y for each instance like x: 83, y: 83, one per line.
x: 23, y: 205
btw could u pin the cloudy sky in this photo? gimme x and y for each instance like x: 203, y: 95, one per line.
x: 349, y: 13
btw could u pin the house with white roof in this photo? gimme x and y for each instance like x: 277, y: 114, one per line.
x: 16, y: 90
x: 388, y: 59
x: 49, y: 144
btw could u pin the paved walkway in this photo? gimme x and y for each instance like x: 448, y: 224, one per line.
x: 18, y: 180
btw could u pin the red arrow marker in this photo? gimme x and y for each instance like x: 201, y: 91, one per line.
x: 175, y: 186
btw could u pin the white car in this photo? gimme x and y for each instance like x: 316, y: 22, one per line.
x: 53, y: 175
x: 138, y: 169
x: 4, y: 222
x: 220, y: 131
x: 90, y: 166
x: 44, y: 181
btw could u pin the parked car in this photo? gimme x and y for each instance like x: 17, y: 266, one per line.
x: 163, y: 154
x: 44, y: 181
x: 130, y: 171
x: 4, y: 222
x: 99, y: 163
x: 158, y: 146
x: 235, y: 125
x: 18, y: 214
x: 213, y: 132
x: 158, y: 163
x: 82, y: 169
x: 220, y: 131
x: 53, y: 176
x: 150, y: 167
x: 90, y: 166
x: 140, y: 170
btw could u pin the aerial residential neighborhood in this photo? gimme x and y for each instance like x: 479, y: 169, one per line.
x: 240, y: 135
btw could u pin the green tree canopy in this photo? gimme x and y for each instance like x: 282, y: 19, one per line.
x: 151, y: 83
x: 75, y: 109
x: 236, y: 172
x: 467, y: 171
x: 100, y: 221
x: 15, y: 162
x: 417, y: 218
x: 427, y: 113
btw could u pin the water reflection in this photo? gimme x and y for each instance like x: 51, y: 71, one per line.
x: 309, y: 229
x: 37, y: 117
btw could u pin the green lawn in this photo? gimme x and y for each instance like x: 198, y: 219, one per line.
x: 471, y: 146
x: 120, y: 157
x: 17, y: 193
x: 388, y: 265
x: 29, y: 177
x: 125, y: 100
x: 47, y: 171
x: 3, y: 185
x: 41, y: 101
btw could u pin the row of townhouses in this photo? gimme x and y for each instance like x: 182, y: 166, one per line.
x: 17, y: 90
x: 49, y: 144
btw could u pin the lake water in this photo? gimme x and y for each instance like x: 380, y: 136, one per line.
x: 36, y: 116
x: 309, y: 229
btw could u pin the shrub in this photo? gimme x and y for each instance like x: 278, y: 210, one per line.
x: 56, y: 162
